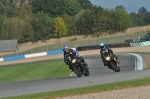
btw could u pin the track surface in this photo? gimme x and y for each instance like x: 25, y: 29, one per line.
x: 99, y: 74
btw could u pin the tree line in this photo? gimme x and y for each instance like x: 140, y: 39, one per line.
x: 34, y: 20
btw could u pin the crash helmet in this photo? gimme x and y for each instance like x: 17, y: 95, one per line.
x: 65, y: 48
x: 102, y: 46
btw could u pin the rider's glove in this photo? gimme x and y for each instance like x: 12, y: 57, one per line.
x: 65, y: 60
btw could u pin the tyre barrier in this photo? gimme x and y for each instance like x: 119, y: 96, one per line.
x: 93, y: 47
x: 138, y: 44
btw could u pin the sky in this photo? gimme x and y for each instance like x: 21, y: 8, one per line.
x: 130, y: 5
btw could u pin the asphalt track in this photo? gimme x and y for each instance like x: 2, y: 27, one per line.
x: 99, y: 74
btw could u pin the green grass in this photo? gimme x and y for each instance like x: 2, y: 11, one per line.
x: 34, y: 71
x: 85, y: 90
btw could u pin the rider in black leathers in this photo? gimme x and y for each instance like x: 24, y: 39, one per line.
x: 70, y: 52
x: 103, y: 47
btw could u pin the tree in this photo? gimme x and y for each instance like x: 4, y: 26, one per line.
x: 142, y: 16
x: 23, y: 10
x: 42, y: 26
x: 60, y: 28
x: 120, y: 20
x: 7, y: 7
x: 70, y: 24
x: 134, y: 19
x: 28, y: 33
x: 83, y: 22
x: 120, y: 7
x: 94, y: 21
x: 142, y: 10
x: 99, y: 20
x: 71, y: 7
x: 51, y: 7
x: 12, y: 28
x: 147, y: 19
x: 85, y: 4
x: 56, y: 8
x: 2, y: 18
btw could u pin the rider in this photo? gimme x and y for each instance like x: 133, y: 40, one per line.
x: 67, y: 51
x: 104, y: 47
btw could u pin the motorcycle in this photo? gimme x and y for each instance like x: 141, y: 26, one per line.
x: 111, y: 62
x: 78, y: 66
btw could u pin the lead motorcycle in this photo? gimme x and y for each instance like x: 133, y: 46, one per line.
x: 111, y: 61
x: 78, y: 66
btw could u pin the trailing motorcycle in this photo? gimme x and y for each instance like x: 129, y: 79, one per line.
x: 78, y: 66
x: 112, y: 62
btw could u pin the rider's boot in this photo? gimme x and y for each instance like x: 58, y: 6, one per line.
x: 109, y: 67
x: 71, y: 68
x: 105, y: 63
x: 118, y: 63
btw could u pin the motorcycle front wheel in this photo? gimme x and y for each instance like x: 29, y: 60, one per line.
x: 115, y: 67
x: 77, y: 71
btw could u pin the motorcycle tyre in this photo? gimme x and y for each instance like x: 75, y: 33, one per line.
x: 114, y: 67
x: 79, y: 74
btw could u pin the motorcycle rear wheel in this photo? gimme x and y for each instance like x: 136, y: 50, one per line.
x: 87, y: 73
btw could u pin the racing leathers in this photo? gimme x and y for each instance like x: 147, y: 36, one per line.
x: 73, y: 53
x: 102, y: 54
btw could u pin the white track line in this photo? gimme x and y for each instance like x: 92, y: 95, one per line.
x: 71, y: 73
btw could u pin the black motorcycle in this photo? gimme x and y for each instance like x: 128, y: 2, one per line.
x: 111, y: 61
x: 78, y: 66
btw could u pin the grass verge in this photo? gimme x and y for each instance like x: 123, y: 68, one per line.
x: 85, y: 90
x: 34, y: 71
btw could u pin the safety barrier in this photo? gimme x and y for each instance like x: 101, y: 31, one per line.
x: 31, y: 55
x: 138, y: 44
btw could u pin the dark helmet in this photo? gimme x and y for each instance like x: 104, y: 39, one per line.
x: 102, y: 46
x: 65, y: 48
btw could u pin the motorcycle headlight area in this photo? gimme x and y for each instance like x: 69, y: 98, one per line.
x: 74, y: 60
x: 108, y: 58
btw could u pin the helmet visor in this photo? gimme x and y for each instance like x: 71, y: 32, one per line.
x: 101, y: 47
x: 66, y: 49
